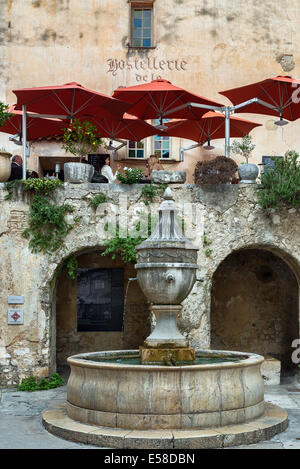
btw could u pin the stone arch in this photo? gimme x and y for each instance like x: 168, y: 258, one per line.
x: 255, y: 302
x: 136, y: 315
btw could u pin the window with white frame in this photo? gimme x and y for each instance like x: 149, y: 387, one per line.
x: 136, y: 149
x: 162, y: 144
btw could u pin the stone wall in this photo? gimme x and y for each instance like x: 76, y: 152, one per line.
x: 230, y: 219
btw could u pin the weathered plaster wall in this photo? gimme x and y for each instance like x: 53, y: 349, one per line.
x: 232, y: 221
x: 206, y: 47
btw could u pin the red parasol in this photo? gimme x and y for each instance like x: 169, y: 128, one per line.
x: 129, y: 127
x: 210, y: 127
x: 279, y: 95
x: 36, y: 126
x: 160, y: 99
x: 68, y: 101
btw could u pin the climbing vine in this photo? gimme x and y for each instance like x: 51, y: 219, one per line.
x: 47, y: 227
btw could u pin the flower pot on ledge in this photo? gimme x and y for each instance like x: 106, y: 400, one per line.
x: 78, y: 173
x: 248, y: 173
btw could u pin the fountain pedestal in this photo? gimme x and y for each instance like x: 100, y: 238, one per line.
x: 166, y: 272
x: 166, y: 344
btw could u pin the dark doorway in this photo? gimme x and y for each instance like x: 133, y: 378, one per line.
x: 254, y: 306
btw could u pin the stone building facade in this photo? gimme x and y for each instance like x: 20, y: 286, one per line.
x: 249, y: 261
x: 204, y: 46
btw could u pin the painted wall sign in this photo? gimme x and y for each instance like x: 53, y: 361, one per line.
x: 15, y: 316
x: 15, y: 300
x: 146, y: 69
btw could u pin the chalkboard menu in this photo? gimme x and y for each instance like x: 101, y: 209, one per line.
x: 100, y: 299
x: 93, y: 159
x: 269, y: 162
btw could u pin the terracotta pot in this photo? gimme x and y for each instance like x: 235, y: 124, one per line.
x: 5, y: 166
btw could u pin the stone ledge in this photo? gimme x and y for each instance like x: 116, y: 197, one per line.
x: 275, y: 420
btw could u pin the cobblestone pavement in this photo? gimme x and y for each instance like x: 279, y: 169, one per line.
x: 21, y: 424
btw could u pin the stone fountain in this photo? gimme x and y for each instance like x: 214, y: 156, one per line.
x: 166, y: 395
x: 166, y: 272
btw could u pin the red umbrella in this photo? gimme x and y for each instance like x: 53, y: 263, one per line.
x: 129, y: 127
x: 68, y: 101
x: 36, y: 127
x: 281, y: 93
x: 156, y: 100
x: 210, y: 127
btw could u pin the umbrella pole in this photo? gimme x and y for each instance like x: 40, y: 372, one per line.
x: 24, y: 138
x: 227, y: 131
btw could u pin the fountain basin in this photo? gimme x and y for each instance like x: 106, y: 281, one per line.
x: 107, y: 389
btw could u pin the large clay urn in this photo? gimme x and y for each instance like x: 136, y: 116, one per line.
x: 166, y: 272
x: 5, y: 166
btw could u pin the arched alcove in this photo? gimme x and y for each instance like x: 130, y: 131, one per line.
x: 77, y: 329
x: 255, y: 305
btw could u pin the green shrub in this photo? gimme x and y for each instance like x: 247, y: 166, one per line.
x: 131, y: 176
x: 281, y: 184
x: 97, y: 200
x: 4, y: 115
x: 35, y: 384
x: 151, y: 191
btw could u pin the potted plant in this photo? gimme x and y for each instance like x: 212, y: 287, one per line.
x: 219, y: 170
x: 248, y: 172
x: 5, y: 162
x: 80, y: 139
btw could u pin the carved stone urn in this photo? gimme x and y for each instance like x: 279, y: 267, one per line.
x: 166, y: 272
x: 78, y: 173
x: 5, y: 166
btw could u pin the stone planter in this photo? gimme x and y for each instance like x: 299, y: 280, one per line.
x: 5, y: 166
x: 248, y: 173
x: 160, y: 176
x: 77, y: 173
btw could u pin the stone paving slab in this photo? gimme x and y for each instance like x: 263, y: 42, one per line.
x: 21, y: 423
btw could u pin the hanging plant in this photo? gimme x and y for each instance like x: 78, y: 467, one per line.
x: 81, y: 138
x: 47, y: 227
x: 4, y: 115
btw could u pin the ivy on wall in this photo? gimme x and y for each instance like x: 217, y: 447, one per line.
x: 47, y: 227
